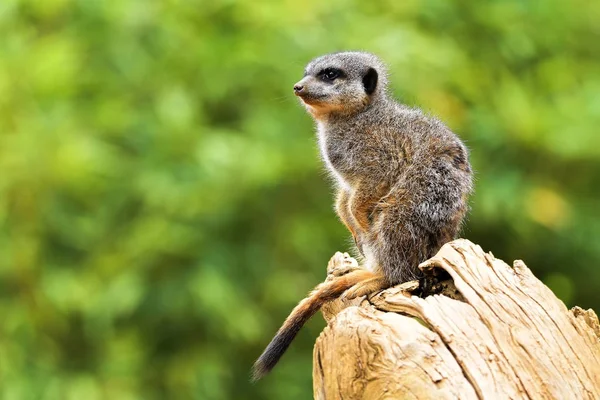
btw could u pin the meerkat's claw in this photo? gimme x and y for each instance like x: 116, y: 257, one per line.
x: 341, y: 264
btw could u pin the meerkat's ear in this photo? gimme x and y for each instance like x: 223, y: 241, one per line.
x: 370, y: 81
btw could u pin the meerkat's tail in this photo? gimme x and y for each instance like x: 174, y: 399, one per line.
x: 324, y: 292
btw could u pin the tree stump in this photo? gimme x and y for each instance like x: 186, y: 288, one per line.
x: 479, y: 330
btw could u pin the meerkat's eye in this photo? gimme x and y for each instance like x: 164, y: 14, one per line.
x: 330, y: 74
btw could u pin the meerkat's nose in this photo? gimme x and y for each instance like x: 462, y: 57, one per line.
x: 298, y: 89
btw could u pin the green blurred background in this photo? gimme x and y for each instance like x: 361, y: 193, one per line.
x: 162, y: 204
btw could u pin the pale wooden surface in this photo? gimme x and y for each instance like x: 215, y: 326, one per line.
x: 493, y: 332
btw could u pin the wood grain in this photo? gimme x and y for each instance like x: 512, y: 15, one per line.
x: 490, y: 332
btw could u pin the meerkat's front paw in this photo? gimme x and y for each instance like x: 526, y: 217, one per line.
x: 341, y: 264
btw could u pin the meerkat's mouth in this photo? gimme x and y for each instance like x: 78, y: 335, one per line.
x: 310, y: 99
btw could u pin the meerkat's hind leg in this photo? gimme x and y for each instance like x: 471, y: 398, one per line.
x: 368, y: 286
x: 341, y: 264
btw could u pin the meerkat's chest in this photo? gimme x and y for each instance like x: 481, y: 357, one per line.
x: 325, y: 148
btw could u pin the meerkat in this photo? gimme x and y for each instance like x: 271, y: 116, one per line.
x: 402, y: 180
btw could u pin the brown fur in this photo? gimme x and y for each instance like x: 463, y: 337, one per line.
x: 301, y: 313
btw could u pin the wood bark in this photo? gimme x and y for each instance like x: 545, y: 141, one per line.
x: 474, y: 329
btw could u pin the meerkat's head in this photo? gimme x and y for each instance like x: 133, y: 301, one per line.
x: 341, y: 83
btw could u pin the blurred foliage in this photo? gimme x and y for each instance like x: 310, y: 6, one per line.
x: 162, y: 204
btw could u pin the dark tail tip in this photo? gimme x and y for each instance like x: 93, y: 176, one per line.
x: 258, y: 371
x: 270, y: 357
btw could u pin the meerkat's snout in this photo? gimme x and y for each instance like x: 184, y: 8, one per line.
x: 306, y: 91
x: 298, y: 89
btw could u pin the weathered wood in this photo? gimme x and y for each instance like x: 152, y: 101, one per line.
x: 490, y: 332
